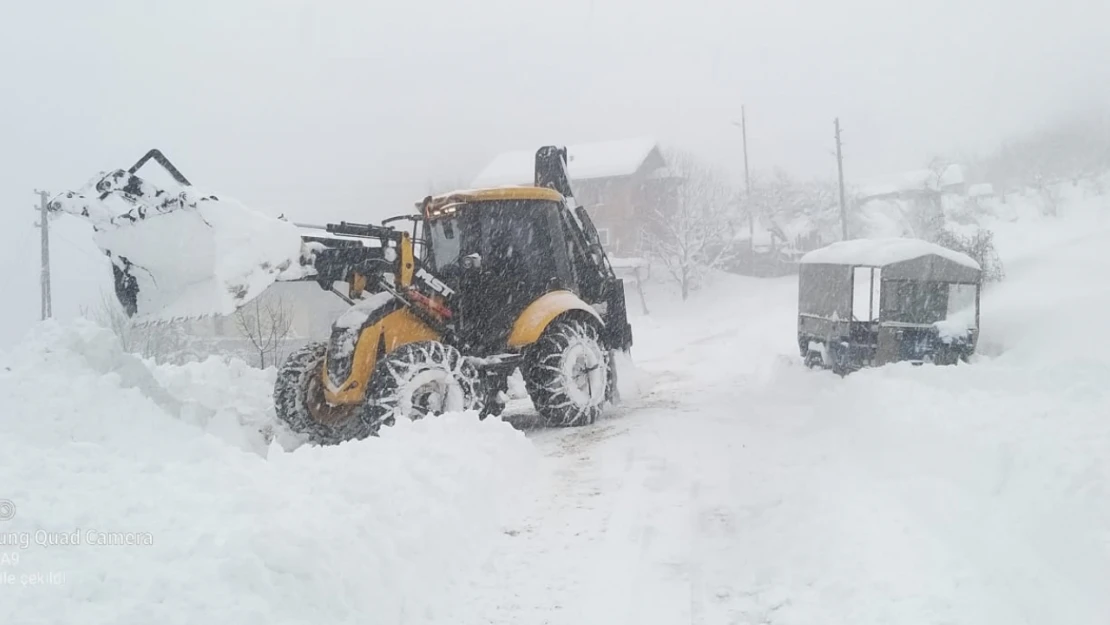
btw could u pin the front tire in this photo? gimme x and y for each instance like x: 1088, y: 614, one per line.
x: 567, y: 373
x: 299, y: 401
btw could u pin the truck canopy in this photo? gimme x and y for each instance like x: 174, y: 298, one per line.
x: 826, y: 275
x: 900, y: 259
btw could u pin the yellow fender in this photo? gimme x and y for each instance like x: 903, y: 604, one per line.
x: 395, y: 329
x: 534, y: 320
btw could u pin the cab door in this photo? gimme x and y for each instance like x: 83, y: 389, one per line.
x: 516, y: 266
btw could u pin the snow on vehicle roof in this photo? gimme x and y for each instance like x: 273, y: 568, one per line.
x: 603, y: 159
x: 880, y: 252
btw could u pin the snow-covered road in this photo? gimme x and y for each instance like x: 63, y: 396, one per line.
x: 743, y: 488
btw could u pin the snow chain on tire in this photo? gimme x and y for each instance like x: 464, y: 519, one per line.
x: 568, y: 373
x: 298, y: 384
x: 420, y: 370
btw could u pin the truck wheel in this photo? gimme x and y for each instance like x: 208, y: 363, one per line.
x: 841, y: 360
x: 567, y: 373
x: 421, y: 379
x: 299, y: 401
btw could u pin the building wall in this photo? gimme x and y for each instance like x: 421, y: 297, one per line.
x: 611, y: 204
x: 624, y: 207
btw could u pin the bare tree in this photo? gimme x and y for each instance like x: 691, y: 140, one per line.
x: 266, y: 323
x: 932, y: 223
x: 979, y: 246
x: 690, y: 236
x: 811, y: 209
x: 940, y: 168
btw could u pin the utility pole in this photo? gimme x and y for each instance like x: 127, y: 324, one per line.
x: 840, y: 175
x: 747, y: 183
x: 44, y: 275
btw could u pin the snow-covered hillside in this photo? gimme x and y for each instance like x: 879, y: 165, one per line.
x: 736, y: 486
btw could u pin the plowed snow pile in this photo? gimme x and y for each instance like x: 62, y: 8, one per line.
x: 98, y: 447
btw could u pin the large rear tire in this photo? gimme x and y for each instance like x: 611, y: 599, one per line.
x: 299, y: 401
x: 567, y: 373
x: 421, y: 379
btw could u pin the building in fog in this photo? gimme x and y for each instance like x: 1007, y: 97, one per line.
x: 920, y: 184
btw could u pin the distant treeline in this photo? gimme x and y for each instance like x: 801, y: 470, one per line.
x: 1071, y: 149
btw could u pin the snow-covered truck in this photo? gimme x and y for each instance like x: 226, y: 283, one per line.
x: 870, y: 302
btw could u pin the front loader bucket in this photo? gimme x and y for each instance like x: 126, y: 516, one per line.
x: 177, y: 253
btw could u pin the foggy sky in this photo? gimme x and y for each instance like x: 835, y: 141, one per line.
x: 349, y: 109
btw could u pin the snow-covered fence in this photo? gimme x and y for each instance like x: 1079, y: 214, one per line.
x: 634, y: 271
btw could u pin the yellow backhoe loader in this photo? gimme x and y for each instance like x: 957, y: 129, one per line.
x: 484, y: 283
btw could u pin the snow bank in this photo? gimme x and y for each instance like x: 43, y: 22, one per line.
x: 98, y: 446
x: 939, y: 494
x: 226, y: 398
x: 630, y: 382
x: 884, y: 251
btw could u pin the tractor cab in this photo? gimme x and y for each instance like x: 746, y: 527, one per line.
x: 500, y: 250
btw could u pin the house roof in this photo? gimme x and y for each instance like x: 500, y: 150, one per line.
x: 603, y: 159
x: 764, y: 226
x: 916, y: 180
